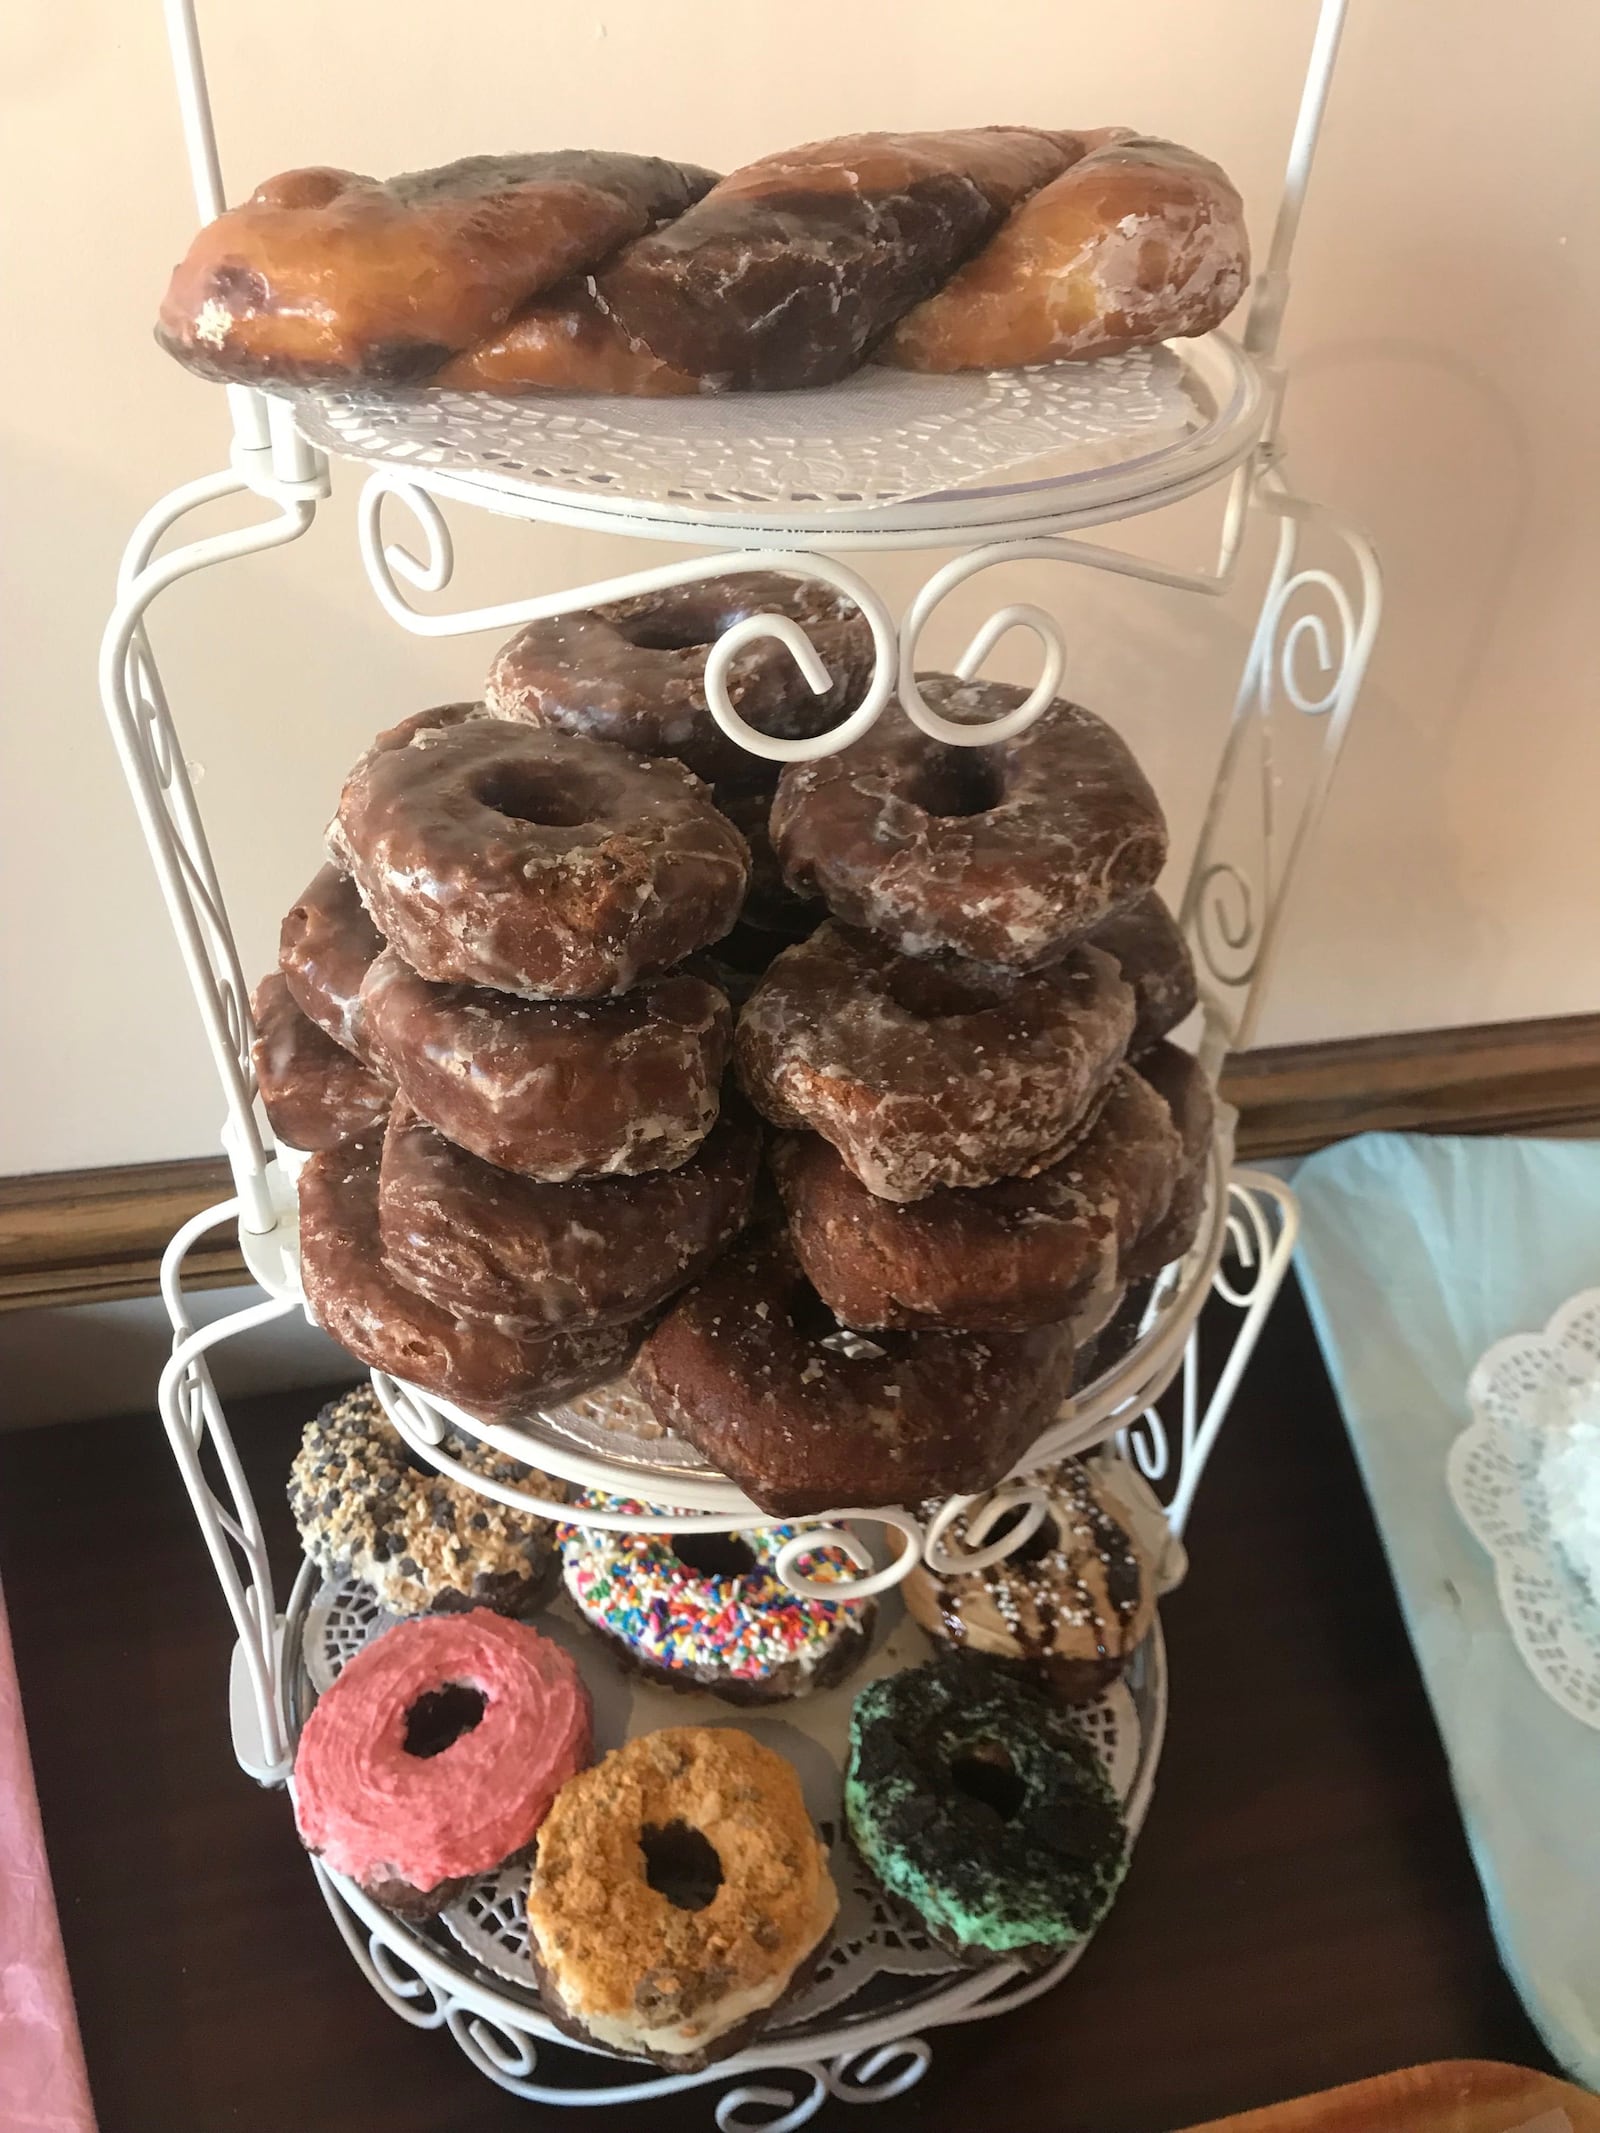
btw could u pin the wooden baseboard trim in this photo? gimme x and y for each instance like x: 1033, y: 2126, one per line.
x: 89, y: 1236
x: 1540, y: 1078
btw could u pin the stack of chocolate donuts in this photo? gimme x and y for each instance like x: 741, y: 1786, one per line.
x: 505, y: 1009
x: 588, y: 271
x: 988, y: 1143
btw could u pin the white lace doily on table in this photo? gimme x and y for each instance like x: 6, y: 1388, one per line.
x: 880, y: 438
x: 1493, y: 1472
x: 872, y: 1937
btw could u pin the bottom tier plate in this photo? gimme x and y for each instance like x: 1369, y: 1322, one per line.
x: 880, y: 1978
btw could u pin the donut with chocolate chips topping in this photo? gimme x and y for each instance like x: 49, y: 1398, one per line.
x: 925, y: 1074
x: 557, y: 1089
x: 984, y: 1807
x: 753, y: 1369
x: 1072, y: 1604
x: 368, y: 1508
x: 1007, y: 853
x: 494, y: 853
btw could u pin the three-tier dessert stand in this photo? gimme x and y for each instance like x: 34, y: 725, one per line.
x: 1006, y: 468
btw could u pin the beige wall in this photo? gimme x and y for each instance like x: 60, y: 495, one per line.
x: 1443, y: 325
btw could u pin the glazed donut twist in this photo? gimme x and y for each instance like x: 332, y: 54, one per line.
x: 586, y: 271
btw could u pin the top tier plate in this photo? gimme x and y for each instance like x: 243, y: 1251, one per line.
x: 885, y: 457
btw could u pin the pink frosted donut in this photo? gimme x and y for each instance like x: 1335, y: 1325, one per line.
x: 436, y: 1754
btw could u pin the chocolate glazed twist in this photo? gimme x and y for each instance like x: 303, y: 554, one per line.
x: 969, y: 249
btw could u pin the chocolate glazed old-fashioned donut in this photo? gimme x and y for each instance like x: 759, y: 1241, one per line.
x: 788, y: 272
x: 327, y: 274
x: 753, y: 1369
x: 634, y: 673
x: 495, y: 853
x: 1185, y: 1088
x: 326, y: 945
x: 556, y: 1090
x: 314, y: 1092
x: 1022, y: 1252
x: 489, y: 1368
x: 1007, y: 854
x: 483, y: 1243
x: 1154, y: 959
x: 925, y: 1074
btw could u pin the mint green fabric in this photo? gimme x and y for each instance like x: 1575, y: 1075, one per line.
x: 1417, y: 1254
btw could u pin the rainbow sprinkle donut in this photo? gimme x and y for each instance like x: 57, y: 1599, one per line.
x: 708, y: 1611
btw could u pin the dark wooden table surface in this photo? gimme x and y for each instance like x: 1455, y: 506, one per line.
x: 1301, y: 1910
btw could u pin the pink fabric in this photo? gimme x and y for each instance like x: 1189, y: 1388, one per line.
x: 43, y: 2087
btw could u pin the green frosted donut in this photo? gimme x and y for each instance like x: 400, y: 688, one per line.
x: 983, y: 1806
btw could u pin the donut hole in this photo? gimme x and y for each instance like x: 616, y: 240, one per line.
x: 957, y: 782
x: 1044, y: 1541
x: 985, y: 1774
x: 550, y: 799
x: 440, y: 1717
x: 680, y: 1864
x: 714, y: 1555
x: 934, y: 995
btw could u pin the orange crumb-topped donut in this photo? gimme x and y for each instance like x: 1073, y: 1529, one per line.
x: 925, y: 1074
x: 490, y: 852
x: 1006, y: 853
x: 678, y: 1894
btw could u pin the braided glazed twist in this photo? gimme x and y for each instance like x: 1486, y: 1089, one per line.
x: 586, y: 271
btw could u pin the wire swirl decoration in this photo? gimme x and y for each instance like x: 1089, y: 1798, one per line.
x: 755, y: 2108
x: 977, y: 1551
x: 879, y: 2076
x: 1019, y: 616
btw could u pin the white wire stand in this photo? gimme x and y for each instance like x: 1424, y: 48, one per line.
x: 1009, y: 468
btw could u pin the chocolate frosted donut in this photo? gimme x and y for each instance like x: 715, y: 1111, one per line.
x: 769, y: 901
x: 314, y: 1092
x: 634, y: 673
x: 1007, y: 854
x: 556, y: 1090
x: 491, y: 1369
x: 482, y: 1243
x: 490, y: 852
x: 1185, y: 1088
x: 1072, y: 1604
x: 753, y: 1369
x: 1022, y: 1252
x: 326, y: 945
x: 1154, y: 959
x: 925, y: 1074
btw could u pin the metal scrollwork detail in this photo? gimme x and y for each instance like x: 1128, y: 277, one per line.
x: 754, y: 2108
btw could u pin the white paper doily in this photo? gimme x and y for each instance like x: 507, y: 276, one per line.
x: 873, y: 1938
x: 1493, y: 1474
x: 878, y: 439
